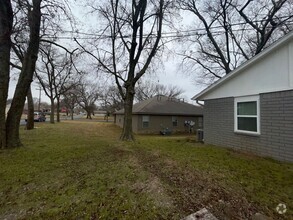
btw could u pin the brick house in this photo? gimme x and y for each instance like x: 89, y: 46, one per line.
x: 162, y: 113
x: 251, y: 108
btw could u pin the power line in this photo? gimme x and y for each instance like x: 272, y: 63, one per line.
x: 174, y: 32
x: 189, y: 33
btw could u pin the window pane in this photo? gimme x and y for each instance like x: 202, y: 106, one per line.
x: 145, y: 118
x: 145, y: 121
x: 247, y: 124
x: 246, y: 108
x: 145, y: 124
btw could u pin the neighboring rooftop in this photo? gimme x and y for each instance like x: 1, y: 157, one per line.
x: 163, y: 105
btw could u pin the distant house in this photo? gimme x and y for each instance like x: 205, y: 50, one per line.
x: 63, y: 109
x: 161, y: 113
x: 251, y: 108
x: 100, y: 113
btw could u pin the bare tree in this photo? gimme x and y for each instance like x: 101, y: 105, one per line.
x: 133, y: 30
x: 20, y: 37
x: 230, y: 32
x: 54, y: 74
x: 26, y: 74
x: 87, y: 94
x: 70, y: 99
x: 6, y: 20
x: 274, y: 17
x: 27, y: 32
x: 111, y: 100
x: 148, y: 89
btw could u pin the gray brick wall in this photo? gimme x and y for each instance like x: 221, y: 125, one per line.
x: 276, y: 139
x: 277, y: 124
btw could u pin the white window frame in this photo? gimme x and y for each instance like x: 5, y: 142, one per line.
x: 247, y: 99
x: 143, y: 119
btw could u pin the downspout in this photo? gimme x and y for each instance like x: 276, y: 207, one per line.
x: 197, y: 102
x: 200, y: 132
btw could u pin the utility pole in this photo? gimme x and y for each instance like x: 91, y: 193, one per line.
x: 40, y: 90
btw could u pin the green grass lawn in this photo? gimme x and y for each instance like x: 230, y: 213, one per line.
x: 79, y: 170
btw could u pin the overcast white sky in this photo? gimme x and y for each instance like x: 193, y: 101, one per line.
x: 170, y: 74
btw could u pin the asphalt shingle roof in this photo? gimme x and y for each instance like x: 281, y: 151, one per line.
x: 162, y: 105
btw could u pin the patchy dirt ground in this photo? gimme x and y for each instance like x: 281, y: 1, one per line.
x: 190, y: 191
x: 186, y: 190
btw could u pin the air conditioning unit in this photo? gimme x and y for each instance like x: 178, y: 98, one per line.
x: 199, y: 134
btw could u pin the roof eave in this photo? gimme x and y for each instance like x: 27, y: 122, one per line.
x: 163, y: 114
x: 278, y: 43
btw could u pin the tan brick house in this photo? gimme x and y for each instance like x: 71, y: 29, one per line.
x: 163, y: 113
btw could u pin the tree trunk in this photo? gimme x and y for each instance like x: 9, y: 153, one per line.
x: 25, y: 77
x: 52, y: 115
x: 127, y: 133
x: 6, y: 20
x: 107, y: 116
x: 30, y: 111
x: 58, y: 110
x: 88, y: 115
x: 71, y: 113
